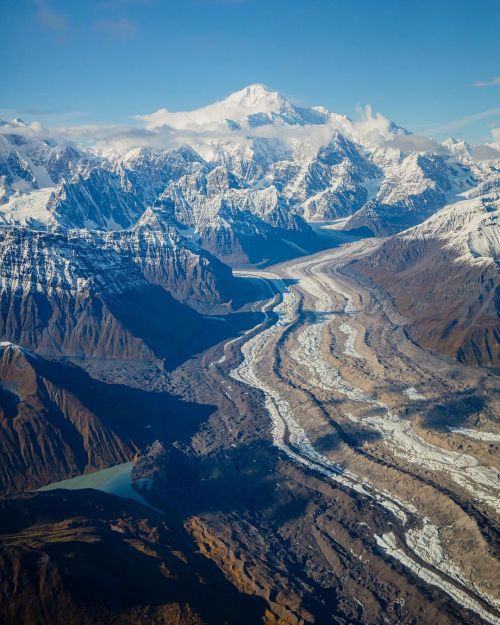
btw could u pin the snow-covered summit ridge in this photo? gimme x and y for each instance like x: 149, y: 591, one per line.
x: 250, y: 107
x: 255, y: 111
x: 470, y: 228
x: 257, y: 98
x: 17, y: 122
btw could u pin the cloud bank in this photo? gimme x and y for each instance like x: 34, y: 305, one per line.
x: 370, y: 130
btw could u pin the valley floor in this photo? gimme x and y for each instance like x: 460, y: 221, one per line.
x: 344, y: 475
x: 386, y: 454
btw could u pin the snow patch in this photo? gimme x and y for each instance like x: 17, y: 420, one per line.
x: 412, y: 393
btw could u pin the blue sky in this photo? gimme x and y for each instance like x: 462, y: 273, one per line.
x: 433, y: 67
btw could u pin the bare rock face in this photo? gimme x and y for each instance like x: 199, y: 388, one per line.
x: 235, y: 222
x: 97, y: 198
x: 63, y: 294
x: 443, y: 276
x: 87, y: 558
x: 169, y: 257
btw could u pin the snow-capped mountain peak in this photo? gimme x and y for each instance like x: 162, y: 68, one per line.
x: 252, y: 157
x: 250, y: 107
x: 469, y: 228
x: 257, y: 99
x: 19, y: 123
x: 457, y: 148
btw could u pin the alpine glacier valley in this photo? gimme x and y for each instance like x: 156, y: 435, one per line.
x: 249, y: 369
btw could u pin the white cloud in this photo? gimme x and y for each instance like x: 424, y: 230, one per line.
x: 208, y: 125
x: 371, y: 130
x: 416, y: 143
x: 485, y: 153
x: 492, y: 82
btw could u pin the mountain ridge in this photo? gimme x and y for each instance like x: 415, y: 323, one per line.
x: 444, y: 277
x: 324, y: 165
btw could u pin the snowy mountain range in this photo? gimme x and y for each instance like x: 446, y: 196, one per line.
x: 315, y: 164
x: 161, y: 205
x: 253, y: 158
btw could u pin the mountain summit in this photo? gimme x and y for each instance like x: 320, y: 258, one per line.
x: 257, y: 98
x: 249, y: 107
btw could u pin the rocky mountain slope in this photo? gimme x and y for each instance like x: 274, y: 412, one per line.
x: 305, y: 484
x: 125, y: 294
x: 328, y: 166
x: 443, y: 276
x: 413, y: 187
x: 115, y: 253
x: 234, y: 221
x: 56, y: 421
x: 48, y: 187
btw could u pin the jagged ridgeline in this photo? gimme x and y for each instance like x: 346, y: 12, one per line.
x: 246, y: 170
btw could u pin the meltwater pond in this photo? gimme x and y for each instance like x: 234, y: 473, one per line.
x: 115, y: 480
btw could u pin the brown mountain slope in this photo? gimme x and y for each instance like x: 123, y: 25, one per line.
x: 56, y: 421
x: 453, y: 307
x: 87, y: 558
x: 443, y: 275
x: 72, y: 295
